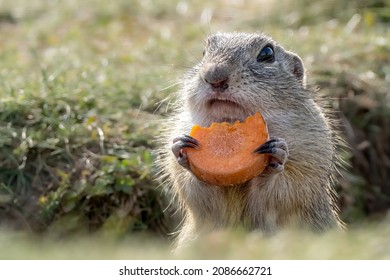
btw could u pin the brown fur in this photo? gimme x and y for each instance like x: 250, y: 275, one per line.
x: 302, y: 192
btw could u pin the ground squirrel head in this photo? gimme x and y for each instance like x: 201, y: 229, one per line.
x: 240, y: 74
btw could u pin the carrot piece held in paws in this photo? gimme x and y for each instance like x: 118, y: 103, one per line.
x: 226, y: 151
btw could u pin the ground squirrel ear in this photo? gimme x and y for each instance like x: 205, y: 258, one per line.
x: 297, y: 67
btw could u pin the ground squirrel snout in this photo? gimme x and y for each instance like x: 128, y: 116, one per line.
x: 241, y: 74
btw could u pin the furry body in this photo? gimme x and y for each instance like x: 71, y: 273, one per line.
x: 231, y: 83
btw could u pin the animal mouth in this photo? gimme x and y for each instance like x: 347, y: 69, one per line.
x: 225, y: 110
x: 222, y: 101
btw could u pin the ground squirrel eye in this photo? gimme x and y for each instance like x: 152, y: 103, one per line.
x: 266, y: 54
x: 204, y: 52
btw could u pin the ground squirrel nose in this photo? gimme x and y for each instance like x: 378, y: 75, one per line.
x: 216, y: 75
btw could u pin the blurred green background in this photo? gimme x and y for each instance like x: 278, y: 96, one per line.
x: 83, y: 85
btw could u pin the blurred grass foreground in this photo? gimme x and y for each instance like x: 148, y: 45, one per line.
x: 83, y: 83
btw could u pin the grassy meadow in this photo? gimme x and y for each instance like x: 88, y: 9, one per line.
x: 83, y: 85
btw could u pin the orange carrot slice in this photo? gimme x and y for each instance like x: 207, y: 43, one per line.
x: 225, y: 156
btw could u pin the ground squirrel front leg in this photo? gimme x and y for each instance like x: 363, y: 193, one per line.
x: 277, y: 148
x: 179, y: 148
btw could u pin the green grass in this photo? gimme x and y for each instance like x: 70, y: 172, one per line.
x: 83, y: 85
x: 365, y: 242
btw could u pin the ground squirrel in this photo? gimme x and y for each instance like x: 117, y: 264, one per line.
x: 241, y: 74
